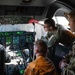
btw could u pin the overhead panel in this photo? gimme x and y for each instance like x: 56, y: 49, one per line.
x: 19, y: 14
x: 19, y: 11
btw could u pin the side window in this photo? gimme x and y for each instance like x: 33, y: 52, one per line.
x: 61, y: 20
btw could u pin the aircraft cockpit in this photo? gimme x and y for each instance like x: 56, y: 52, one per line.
x: 19, y: 48
x: 21, y: 23
x: 18, y: 38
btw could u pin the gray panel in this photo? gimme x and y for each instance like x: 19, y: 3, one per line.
x: 20, y: 2
x: 10, y: 2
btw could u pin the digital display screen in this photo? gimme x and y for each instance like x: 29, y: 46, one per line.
x: 8, y: 40
x: 20, y: 32
x: 3, y: 41
x: 15, y: 39
x: 22, y: 42
x: 18, y: 54
x: 28, y: 38
x: 21, y: 71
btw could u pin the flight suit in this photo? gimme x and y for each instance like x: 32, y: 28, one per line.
x: 41, y: 66
x: 60, y: 35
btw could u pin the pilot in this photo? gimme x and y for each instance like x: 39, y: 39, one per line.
x: 41, y: 65
x: 57, y: 33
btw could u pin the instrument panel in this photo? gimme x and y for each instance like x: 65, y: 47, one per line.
x: 19, y: 39
x: 19, y: 49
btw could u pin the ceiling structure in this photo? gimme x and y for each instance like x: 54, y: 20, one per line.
x: 26, y: 2
x: 69, y: 2
x: 19, y: 11
x: 34, y: 2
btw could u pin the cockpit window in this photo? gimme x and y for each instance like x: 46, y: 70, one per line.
x: 17, y: 27
x: 61, y: 20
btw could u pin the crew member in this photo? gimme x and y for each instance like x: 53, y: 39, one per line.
x: 41, y: 65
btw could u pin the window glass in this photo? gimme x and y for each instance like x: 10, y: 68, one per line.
x: 61, y: 20
x: 38, y: 28
x: 17, y: 27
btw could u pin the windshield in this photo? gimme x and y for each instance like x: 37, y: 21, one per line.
x: 16, y: 27
x: 24, y: 27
